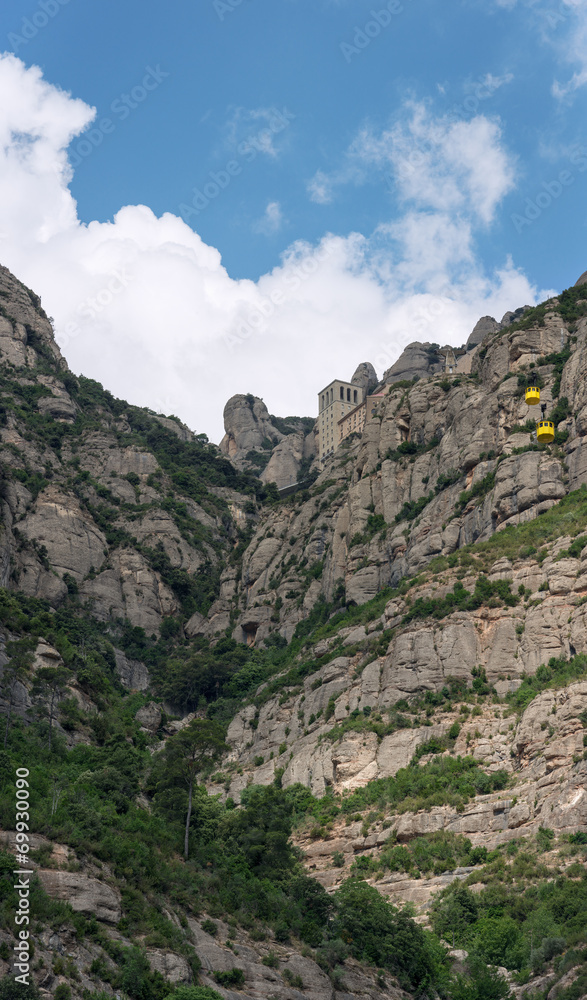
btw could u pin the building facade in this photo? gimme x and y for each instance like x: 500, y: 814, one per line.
x: 354, y: 421
x: 334, y: 402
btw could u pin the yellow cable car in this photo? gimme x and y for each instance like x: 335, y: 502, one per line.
x: 545, y: 431
x: 532, y: 395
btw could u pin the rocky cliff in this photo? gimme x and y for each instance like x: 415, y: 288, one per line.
x: 128, y: 510
x: 398, y: 654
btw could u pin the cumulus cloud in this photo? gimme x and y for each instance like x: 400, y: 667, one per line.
x: 142, y: 304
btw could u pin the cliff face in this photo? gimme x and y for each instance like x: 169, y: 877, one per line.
x: 423, y: 600
x: 87, y: 506
x: 389, y: 502
x: 448, y: 464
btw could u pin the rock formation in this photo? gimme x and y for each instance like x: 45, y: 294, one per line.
x: 366, y: 377
x: 276, y: 449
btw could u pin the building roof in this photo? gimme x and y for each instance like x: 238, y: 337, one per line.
x: 344, y: 381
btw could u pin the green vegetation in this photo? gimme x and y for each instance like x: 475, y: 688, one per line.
x: 522, y: 918
x: 570, y: 304
x: 557, y: 674
x: 568, y: 516
x: 492, y: 593
x: 480, y: 489
x: 443, y: 781
x: 446, y: 781
x: 375, y: 523
x: 431, y: 855
x: 410, y: 449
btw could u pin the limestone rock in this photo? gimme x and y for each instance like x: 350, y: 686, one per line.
x: 415, y: 360
x: 365, y: 377
x: 149, y: 717
x: 84, y: 894
x: 285, y: 462
x: 132, y: 673
x: 73, y: 542
x: 174, y: 968
x: 247, y: 424
x: 253, y: 442
x: 483, y: 328
x: 25, y: 330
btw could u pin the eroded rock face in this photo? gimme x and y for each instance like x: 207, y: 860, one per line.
x: 25, y: 331
x: 461, y: 432
x: 73, y: 542
x: 254, y: 443
x: 174, y: 968
x: 416, y: 359
x: 365, y: 377
x: 132, y: 673
x: 264, y: 982
x: 483, y: 328
x: 84, y: 894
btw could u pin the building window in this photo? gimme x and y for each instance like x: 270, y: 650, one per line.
x: 354, y: 396
x: 341, y: 392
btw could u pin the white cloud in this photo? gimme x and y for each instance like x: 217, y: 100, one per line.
x: 434, y: 162
x: 147, y: 308
x: 271, y: 220
x: 439, y: 164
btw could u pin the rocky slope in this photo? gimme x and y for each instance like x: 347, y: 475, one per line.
x: 400, y: 612
x: 87, y: 505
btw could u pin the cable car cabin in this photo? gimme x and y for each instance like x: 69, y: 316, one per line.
x: 545, y: 431
x: 532, y: 395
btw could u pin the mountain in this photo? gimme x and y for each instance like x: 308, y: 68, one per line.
x: 382, y: 677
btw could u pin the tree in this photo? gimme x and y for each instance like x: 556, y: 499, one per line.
x: 11, y: 990
x: 378, y: 933
x: 50, y: 683
x: 200, y: 743
x: 481, y: 983
x: 21, y: 661
x: 453, y: 912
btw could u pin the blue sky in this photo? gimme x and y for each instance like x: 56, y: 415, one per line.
x: 422, y: 160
